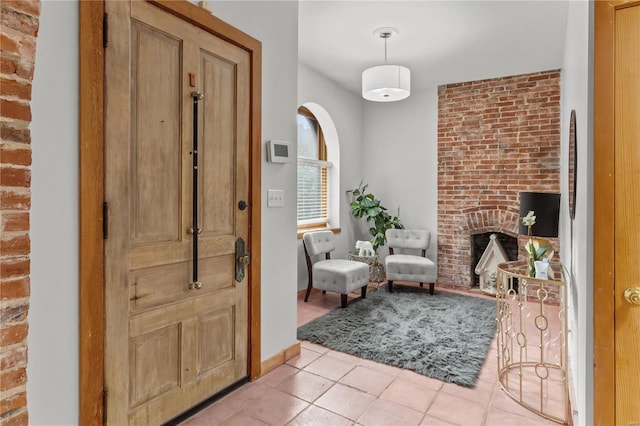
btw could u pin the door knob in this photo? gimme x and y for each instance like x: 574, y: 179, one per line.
x: 632, y: 295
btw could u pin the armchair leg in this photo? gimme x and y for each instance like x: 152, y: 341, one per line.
x: 431, y: 286
x: 343, y: 300
x: 306, y: 296
x: 363, y: 291
x: 390, y: 286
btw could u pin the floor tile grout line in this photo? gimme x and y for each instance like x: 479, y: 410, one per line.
x: 333, y: 383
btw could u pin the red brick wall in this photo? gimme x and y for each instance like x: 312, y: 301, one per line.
x: 496, y: 138
x: 19, y: 21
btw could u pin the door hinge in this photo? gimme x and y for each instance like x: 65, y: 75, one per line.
x: 105, y: 220
x: 105, y: 30
x: 105, y: 393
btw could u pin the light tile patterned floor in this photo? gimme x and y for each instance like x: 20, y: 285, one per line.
x: 325, y: 387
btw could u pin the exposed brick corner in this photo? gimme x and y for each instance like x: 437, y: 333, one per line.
x: 19, y: 24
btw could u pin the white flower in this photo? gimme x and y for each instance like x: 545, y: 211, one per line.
x: 529, y: 219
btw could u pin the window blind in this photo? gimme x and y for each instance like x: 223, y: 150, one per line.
x: 313, y: 184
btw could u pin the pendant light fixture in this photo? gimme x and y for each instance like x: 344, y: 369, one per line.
x: 386, y: 83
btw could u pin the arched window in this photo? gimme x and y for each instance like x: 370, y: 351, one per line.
x: 317, y: 174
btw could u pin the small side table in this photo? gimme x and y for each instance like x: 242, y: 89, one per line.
x: 376, y: 269
x: 531, y: 316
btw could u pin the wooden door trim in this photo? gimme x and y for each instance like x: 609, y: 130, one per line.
x: 91, y: 177
x: 91, y: 186
x: 205, y: 20
x: 604, y: 186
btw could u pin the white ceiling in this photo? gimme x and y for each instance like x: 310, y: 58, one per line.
x: 440, y: 41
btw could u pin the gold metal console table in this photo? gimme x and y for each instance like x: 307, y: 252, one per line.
x: 531, y: 317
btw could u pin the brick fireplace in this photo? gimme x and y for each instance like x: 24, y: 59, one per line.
x: 496, y: 138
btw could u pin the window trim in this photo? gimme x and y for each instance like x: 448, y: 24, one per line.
x: 324, y: 165
x: 332, y: 144
x: 302, y: 231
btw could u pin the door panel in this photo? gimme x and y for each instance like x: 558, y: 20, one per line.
x: 627, y: 212
x: 155, y: 135
x: 218, y: 157
x: 174, y: 344
x: 215, y: 339
x: 150, y: 287
x: 155, y: 365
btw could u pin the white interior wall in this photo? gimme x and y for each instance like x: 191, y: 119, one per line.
x: 53, y: 371
x: 400, y: 159
x: 346, y: 111
x: 577, y: 236
x: 275, y: 24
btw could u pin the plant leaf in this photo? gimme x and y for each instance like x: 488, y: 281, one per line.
x: 541, y: 251
x: 366, y: 205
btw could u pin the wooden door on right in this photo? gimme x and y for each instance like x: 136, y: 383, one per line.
x: 627, y: 214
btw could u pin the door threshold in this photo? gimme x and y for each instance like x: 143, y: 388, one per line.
x: 207, y: 402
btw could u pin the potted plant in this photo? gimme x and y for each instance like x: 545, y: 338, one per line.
x: 538, y: 250
x: 366, y: 205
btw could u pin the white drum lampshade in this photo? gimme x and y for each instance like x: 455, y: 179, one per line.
x: 386, y: 83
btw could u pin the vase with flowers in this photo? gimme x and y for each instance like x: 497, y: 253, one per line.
x: 537, y: 249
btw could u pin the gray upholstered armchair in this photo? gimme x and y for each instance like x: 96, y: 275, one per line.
x: 407, y: 266
x: 339, y: 275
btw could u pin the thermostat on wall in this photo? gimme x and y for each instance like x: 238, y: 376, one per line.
x: 278, y: 151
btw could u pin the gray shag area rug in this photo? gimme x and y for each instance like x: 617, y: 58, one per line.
x: 445, y: 336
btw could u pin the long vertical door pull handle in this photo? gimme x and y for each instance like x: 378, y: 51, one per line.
x: 195, y: 230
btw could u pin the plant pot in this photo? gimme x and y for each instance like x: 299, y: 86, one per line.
x: 376, y: 269
x: 376, y: 273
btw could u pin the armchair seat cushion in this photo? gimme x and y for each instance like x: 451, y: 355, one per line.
x: 339, y: 275
x: 406, y: 267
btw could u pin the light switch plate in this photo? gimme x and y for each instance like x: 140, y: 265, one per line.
x: 275, y: 198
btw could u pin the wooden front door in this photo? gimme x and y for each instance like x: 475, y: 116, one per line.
x: 173, y: 339
x: 627, y: 214
x: 617, y: 213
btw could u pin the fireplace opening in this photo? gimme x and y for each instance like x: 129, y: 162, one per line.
x: 479, y: 243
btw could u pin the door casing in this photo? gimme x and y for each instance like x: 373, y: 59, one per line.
x: 91, y: 185
x: 604, y: 214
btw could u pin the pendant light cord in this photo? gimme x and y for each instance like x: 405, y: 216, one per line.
x: 385, y: 49
x: 385, y: 36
